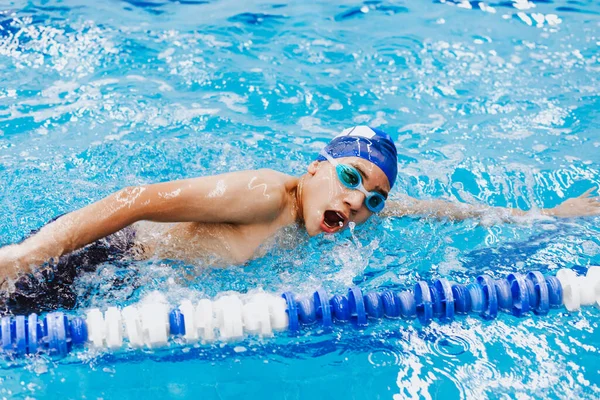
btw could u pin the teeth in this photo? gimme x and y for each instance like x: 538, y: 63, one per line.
x: 330, y: 223
x: 341, y: 217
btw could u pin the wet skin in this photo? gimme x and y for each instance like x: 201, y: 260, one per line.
x: 226, y: 218
x: 291, y: 200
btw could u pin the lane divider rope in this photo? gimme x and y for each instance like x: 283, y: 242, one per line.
x: 231, y: 317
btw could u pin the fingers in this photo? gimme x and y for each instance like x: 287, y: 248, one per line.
x: 594, y: 205
x: 587, y: 192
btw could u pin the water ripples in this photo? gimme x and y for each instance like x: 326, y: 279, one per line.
x: 384, y: 358
x: 451, y: 346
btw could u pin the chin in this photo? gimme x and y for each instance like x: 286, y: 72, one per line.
x: 313, y: 229
x: 313, y: 232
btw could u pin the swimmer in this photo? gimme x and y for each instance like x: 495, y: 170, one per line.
x: 228, y: 217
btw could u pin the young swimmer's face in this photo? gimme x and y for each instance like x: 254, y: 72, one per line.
x: 329, y: 206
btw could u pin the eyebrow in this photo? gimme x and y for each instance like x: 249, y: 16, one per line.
x: 366, y: 177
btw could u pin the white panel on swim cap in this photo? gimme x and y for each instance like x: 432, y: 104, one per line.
x: 359, y: 131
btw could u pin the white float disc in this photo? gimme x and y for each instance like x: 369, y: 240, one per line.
x: 133, y: 326
x: 96, y: 327
x: 205, y: 319
x: 571, y: 289
x: 191, y: 331
x: 114, y: 328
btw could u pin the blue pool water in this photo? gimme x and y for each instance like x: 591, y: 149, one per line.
x: 489, y: 102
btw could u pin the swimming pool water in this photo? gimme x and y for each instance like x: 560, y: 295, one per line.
x: 489, y: 102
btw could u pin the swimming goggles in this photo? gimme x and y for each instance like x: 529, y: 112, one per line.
x: 351, y: 178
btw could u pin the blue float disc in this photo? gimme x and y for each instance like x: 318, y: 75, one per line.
x: 323, y: 308
x: 42, y: 333
x: 61, y: 330
x: 291, y: 310
x: 53, y: 334
x: 79, y: 332
x: 176, y: 322
x: 436, y: 301
x: 520, y: 294
x: 67, y: 324
x: 477, y: 297
x: 407, y: 304
x: 307, y: 313
x: 21, y: 334
x: 444, y: 290
x: 391, y: 308
x: 462, y: 299
x: 13, y: 333
x: 339, y: 305
x: 490, y: 297
x: 6, y: 333
x: 32, y: 333
x: 423, y: 302
x: 357, y: 305
x: 554, y: 291
x: 541, y: 292
x: 533, y: 299
x: 56, y: 335
x: 504, y: 294
x: 373, y: 305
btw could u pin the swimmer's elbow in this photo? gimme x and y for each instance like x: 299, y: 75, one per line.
x: 129, y: 205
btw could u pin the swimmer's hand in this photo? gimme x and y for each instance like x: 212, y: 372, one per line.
x: 585, y: 205
x: 23, y: 258
x: 10, y: 264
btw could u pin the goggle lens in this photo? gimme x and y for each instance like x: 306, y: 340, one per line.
x: 351, y: 178
x: 375, y: 202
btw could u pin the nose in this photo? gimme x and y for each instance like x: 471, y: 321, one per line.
x: 354, y: 199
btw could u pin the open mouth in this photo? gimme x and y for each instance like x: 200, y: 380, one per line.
x: 333, y: 221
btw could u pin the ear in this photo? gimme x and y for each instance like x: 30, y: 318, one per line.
x: 313, y: 167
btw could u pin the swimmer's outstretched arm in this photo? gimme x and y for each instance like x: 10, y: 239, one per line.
x: 584, y: 205
x: 236, y: 198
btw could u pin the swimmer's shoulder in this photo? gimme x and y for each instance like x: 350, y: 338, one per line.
x: 278, y: 186
x: 275, y: 181
x: 265, y: 185
x: 280, y: 181
x: 269, y: 179
x: 275, y: 177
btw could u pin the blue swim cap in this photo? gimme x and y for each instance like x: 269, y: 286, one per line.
x: 368, y: 143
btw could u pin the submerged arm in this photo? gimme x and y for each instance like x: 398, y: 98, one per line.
x: 234, y: 198
x: 584, y: 205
